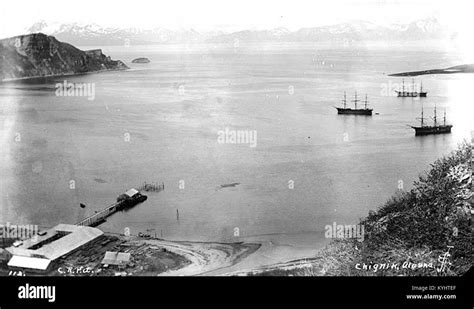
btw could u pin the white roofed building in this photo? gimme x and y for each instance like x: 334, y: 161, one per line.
x: 39, y: 251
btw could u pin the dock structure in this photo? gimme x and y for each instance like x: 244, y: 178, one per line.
x: 126, y: 200
x: 37, y: 253
x: 100, y: 216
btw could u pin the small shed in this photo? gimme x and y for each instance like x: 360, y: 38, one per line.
x: 132, y: 192
x: 116, y: 258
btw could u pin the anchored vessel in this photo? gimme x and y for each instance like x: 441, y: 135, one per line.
x: 435, y: 128
x: 406, y: 93
x: 354, y: 111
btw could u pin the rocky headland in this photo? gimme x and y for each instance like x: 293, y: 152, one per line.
x: 39, y: 55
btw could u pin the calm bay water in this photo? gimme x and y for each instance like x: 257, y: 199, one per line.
x: 172, y: 109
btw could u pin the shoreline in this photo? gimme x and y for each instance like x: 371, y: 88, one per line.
x: 161, y: 257
x: 46, y: 77
x: 248, y: 254
x: 256, y: 256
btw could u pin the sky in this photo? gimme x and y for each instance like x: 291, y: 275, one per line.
x: 225, y: 15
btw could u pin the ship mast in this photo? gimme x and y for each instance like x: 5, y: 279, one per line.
x: 422, y: 118
x: 355, y: 100
x: 444, y: 118
x: 421, y: 87
x: 434, y: 118
x: 365, y: 103
x: 344, y: 101
x: 403, y: 85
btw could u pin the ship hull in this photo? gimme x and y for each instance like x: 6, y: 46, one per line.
x: 432, y: 130
x: 409, y: 94
x: 350, y: 111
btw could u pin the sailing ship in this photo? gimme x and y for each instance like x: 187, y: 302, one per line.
x: 435, y: 128
x: 411, y: 93
x: 354, y: 111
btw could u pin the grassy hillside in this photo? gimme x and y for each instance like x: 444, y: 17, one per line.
x: 414, y: 227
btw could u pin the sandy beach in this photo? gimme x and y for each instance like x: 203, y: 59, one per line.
x: 251, y: 255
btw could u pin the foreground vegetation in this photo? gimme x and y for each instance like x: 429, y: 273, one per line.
x: 412, y: 230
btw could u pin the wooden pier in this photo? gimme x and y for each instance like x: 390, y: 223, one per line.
x: 99, y: 217
x: 126, y: 200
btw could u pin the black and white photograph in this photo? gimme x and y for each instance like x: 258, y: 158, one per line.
x: 251, y: 138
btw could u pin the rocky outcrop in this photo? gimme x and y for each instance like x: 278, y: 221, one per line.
x: 39, y: 55
x: 141, y: 60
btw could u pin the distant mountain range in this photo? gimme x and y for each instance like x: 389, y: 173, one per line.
x: 92, y: 34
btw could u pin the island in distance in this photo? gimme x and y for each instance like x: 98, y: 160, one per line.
x: 465, y: 68
x: 39, y: 55
x: 141, y: 60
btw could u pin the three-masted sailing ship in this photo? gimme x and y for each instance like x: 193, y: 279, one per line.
x: 354, y: 111
x: 411, y: 92
x: 436, y: 128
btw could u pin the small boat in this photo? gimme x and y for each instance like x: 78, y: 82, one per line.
x: 435, y: 128
x: 354, y: 111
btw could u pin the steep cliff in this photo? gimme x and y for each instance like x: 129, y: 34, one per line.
x: 38, y: 55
